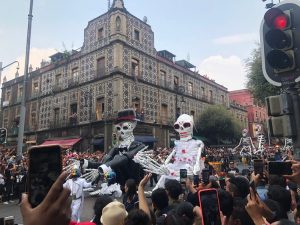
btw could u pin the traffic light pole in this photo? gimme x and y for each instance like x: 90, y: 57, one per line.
x: 23, y: 101
x: 294, y: 92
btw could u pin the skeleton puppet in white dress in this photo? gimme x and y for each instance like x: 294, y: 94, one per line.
x: 186, y: 154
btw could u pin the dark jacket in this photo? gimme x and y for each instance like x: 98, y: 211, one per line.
x: 120, y: 160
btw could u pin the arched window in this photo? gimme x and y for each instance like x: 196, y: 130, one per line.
x: 118, y: 23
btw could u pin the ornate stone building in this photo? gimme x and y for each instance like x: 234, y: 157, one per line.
x: 78, y: 93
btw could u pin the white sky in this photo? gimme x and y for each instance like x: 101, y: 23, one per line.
x: 218, y: 36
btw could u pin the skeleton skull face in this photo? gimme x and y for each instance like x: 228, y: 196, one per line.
x: 184, y: 126
x: 125, y: 129
x: 245, y: 133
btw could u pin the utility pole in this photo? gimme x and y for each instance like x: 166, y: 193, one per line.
x: 23, y: 101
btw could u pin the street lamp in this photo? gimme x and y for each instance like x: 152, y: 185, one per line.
x: 179, y: 91
x: 23, y: 102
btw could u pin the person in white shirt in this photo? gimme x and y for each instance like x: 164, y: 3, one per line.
x: 76, y: 185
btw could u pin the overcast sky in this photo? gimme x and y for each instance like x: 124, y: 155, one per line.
x: 217, y: 36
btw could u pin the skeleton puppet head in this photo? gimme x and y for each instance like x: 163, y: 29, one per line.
x: 125, y: 124
x: 125, y: 129
x: 245, y: 132
x: 184, y: 126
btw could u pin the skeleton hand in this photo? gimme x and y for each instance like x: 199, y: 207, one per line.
x: 149, y: 164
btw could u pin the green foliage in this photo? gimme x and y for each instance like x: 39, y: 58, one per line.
x: 257, y: 84
x: 218, y: 125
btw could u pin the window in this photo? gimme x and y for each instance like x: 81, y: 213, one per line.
x: 202, y: 91
x: 162, y: 78
x: 75, y: 74
x: 35, y: 87
x: 56, y: 116
x: 7, y: 98
x: 222, y: 99
x: 58, y: 80
x: 176, y: 81
x: 20, y: 92
x: 33, y: 120
x: 100, y: 67
x: 73, y: 108
x: 100, y: 34
x: 73, y: 114
x: 100, y: 107
x: 135, y: 67
x: 136, y: 34
x: 164, y: 113
x: 210, y: 95
x: 118, y: 23
x: 190, y: 88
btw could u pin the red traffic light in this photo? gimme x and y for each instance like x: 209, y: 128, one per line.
x: 275, y: 18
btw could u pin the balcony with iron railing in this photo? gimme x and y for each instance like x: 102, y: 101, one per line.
x: 73, y: 82
x: 58, y: 124
x: 57, y: 88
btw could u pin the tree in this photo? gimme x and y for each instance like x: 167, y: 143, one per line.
x: 257, y: 84
x: 218, y: 125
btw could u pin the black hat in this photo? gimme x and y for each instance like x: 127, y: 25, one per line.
x: 126, y: 115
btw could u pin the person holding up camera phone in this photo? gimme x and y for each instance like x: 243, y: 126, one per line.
x: 54, y: 209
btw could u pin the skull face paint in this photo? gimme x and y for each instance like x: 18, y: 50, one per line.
x: 184, y: 126
x: 125, y: 130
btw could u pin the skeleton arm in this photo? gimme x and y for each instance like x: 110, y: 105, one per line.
x: 252, y: 145
x: 168, y: 159
x: 199, y: 163
x: 238, y: 145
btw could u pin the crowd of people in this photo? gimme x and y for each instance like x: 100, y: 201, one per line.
x: 244, y: 197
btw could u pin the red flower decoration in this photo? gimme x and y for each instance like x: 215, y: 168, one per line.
x: 183, y: 151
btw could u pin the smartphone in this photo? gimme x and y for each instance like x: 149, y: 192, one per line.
x: 196, y: 180
x: 280, y: 168
x: 205, y: 176
x: 258, y: 165
x: 183, y: 176
x: 210, y: 207
x: 45, y: 165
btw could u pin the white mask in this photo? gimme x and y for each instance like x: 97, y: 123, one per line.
x: 184, y: 126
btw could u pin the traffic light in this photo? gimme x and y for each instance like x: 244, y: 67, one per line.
x: 3, y: 135
x: 280, y: 43
x: 281, y: 122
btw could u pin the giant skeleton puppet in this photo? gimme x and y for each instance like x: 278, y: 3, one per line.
x: 186, y: 154
x: 261, y: 141
x: 119, y: 158
x: 246, y: 145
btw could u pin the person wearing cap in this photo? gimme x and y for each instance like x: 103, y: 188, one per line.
x: 113, y: 213
x: 120, y: 158
x: 76, y: 185
x: 233, y: 168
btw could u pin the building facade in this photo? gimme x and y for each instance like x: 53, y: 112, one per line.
x: 257, y: 115
x: 240, y: 113
x: 77, y: 94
